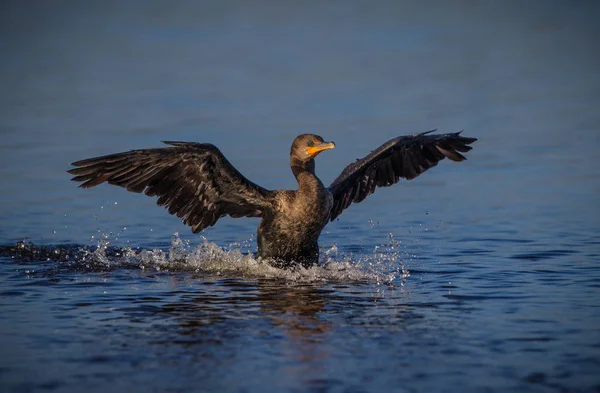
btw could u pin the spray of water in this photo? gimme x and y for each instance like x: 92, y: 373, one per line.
x: 383, y: 266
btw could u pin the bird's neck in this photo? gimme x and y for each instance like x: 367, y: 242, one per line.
x: 304, y: 171
x: 299, y: 166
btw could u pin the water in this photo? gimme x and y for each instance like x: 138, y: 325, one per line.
x: 481, y: 276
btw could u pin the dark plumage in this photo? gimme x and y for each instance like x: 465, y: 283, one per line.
x: 198, y: 184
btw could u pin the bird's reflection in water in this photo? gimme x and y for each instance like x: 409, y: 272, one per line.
x: 297, y: 311
x: 211, y: 325
x: 226, y: 311
x: 295, y: 308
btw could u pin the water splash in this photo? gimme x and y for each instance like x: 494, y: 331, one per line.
x: 383, y: 266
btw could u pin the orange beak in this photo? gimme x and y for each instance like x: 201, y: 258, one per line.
x: 319, y: 147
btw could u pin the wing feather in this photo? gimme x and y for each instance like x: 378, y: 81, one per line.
x: 193, y: 181
x: 403, y: 157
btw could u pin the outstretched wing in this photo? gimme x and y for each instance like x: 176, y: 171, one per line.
x: 192, y: 180
x: 403, y: 157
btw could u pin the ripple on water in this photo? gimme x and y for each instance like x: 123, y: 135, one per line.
x: 545, y: 254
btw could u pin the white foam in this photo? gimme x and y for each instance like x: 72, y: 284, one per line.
x: 383, y: 266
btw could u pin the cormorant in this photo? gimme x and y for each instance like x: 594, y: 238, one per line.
x: 197, y: 183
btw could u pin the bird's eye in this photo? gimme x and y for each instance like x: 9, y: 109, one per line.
x: 311, y: 143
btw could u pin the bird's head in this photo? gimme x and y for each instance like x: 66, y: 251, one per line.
x: 307, y: 146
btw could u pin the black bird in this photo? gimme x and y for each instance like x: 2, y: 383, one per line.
x: 197, y: 183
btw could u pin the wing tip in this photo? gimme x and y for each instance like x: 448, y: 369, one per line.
x: 465, y: 139
x: 79, y: 163
x: 426, y: 132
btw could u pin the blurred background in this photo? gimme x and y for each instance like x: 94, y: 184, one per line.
x: 81, y: 79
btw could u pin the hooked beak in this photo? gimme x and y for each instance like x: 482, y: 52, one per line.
x: 319, y: 147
